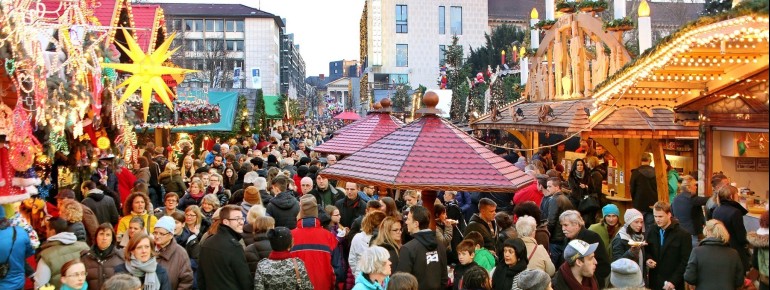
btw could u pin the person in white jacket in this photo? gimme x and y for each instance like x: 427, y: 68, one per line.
x: 361, y: 240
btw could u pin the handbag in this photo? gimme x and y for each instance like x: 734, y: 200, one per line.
x: 5, y: 267
x: 588, y: 204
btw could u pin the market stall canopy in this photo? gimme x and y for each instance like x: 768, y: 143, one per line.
x: 639, y: 124
x: 271, y: 107
x: 347, y: 115
x: 376, y: 107
x: 228, y: 102
x: 362, y: 133
x: 429, y: 154
x: 703, y: 58
x: 558, y: 117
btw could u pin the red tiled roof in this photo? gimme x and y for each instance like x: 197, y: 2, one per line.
x: 360, y: 134
x: 347, y: 115
x: 429, y: 154
x: 144, y: 20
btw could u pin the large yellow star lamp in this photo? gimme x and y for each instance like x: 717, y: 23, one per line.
x: 146, y: 71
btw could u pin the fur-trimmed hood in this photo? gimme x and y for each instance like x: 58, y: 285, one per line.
x: 756, y: 240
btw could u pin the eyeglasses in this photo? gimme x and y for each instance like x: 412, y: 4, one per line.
x: 336, y: 215
x: 78, y: 274
x: 191, y: 215
x: 240, y: 219
x: 213, y: 180
x: 156, y: 233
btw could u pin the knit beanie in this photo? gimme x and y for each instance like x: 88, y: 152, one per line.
x: 533, y: 279
x: 251, y: 195
x: 626, y: 273
x: 216, y: 148
x: 280, y: 238
x: 631, y: 215
x: 610, y: 209
x: 167, y: 223
x: 308, y: 206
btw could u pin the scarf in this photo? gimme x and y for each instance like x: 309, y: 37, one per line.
x: 67, y: 287
x: 280, y: 255
x: 579, y: 174
x: 146, y: 270
x: 589, y: 283
x: 102, y: 255
x: 198, y: 196
x: 612, y: 230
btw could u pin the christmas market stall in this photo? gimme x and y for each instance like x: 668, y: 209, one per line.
x: 430, y: 155
x: 713, y: 73
x: 360, y: 134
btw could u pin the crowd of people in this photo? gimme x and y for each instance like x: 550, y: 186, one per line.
x: 259, y: 214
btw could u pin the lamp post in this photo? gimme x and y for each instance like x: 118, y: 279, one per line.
x: 645, y: 27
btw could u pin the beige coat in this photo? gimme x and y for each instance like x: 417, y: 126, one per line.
x: 540, y: 259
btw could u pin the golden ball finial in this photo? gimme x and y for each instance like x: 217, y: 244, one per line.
x: 386, y: 103
x: 377, y: 106
x: 430, y: 99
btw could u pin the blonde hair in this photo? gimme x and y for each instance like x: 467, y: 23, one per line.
x: 197, y: 211
x: 725, y: 193
x: 687, y: 181
x: 70, y: 210
x: 716, y: 229
x: 413, y: 193
x: 592, y: 161
x: 384, y: 237
x: 211, y: 199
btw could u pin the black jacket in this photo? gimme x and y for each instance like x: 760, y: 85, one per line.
x: 459, y: 270
x: 257, y: 251
x: 222, y: 263
x: 335, y: 195
x: 479, y: 225
x: 602, y: 261
x: 731, y: 214
x: 350, y: 210
x: 165, y: 284
x: 644, y: 188
x: 502, y: 278
x: 711, y: 257
x: 284, y: 209
x: 424, y: 257
x: 688, y: 210
x: 671, y: 258
x: 103, y: 207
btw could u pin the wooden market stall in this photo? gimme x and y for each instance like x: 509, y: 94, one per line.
x: 363, y: 132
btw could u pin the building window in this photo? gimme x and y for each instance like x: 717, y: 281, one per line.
x: 215, y: 25
x: 214, y: 44
x: 441, y: 55
x: 195, y: 45
x: 401, y: 19
x: 234, y: 26
x: 235, y: 45
x: 176, y: 25
x: 402, y: 55
x: 441, y: 20
x: 456, y: 19
x: 195, y: 25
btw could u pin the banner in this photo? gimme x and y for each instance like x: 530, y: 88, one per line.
x: 256, y: 79
x: 237, y: 78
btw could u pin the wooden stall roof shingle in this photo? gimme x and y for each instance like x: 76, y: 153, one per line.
x: 568, y: 117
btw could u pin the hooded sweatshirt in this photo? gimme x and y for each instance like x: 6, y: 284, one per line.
x: 284, y: 209
x: 644, y: 188
x: 56, y: 251
x: 424, y: 257
x: 103, y: 207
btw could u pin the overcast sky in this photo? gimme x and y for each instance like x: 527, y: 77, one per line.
x: 325, y: 30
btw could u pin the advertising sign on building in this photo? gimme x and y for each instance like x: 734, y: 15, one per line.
x: 237, y: 78
x: 256, y: 79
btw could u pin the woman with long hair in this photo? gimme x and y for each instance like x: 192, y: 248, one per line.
x: 713, y: 256
x: 140, y: 262
x: 101, y: 259
x: 215, y: 187
x: 229, y: 177
x: 578, y: 181
x: 389, y: 237
x: 188, y: 170
x: 193, y: 223
x: 137, y: 205
x: 391, y: 209
x: 171, y: 179
x: 260, y: 248
x: 361, y: 240
x: 594, y: 188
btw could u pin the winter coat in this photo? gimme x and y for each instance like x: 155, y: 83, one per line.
x: 644, y: 188
x: 143, y: 174
x: 187, y: 200
x: 540, y: 258
x: 528, y: 193
x: 112, y: 180
x: 314, y: 245
x: 603, y: 231
x: 161, y: 212
x: 16, y: 256
x: 172, y: 181
x: 444, y: 234
x: 56, y: 251
x: 159, y: 270
x: 149, y: 222
x: 468, y: 202
x: 125, y: 182
x: 330, y: 191
x: 350, y: 210
x: 621, y: 248
x: 761, y: 258
x: 99, y: 270
x: 602, y: 261
x: 710, y: 257
x: 257, y: 251
x: 459, y: 270
x: 102, y: 206
x: 479, y: 225
x: 552, y: 211
x: 358, y: 245
x: 282, y: 274
x: 731, y: 214
x: 688, y: 209
x: 424, y: 257
x: 503, y: 275
x: 284, y: 209
x: 671, y: 257
x: 484, y: 258
x: 362, y: 283
x: 222, y: 263
x: 574, y: 182
x: 177, y: 263
x: 672, y: 176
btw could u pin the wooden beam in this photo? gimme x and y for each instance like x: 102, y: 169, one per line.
x: 666, y: 84
x: 661, y: 176
x: 525, y: 142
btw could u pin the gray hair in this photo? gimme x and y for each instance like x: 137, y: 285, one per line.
x: 261, y: 183
x: 572, y: 216
x: 373, y: 260
x: 526, y: 225
x: 211, y: 199
x: 122, y: 282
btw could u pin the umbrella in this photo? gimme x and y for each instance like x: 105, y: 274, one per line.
x: 348, y: 116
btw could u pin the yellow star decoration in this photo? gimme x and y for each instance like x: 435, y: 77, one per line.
x: 147, y: 70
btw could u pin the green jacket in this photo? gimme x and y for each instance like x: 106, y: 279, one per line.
x: 601, y: 229
x: 673, y: 184
x: 485, y: 259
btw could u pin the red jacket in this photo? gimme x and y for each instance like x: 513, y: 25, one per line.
x: 126, y: 181
x: 529, y: 193
x: 298, y: 183
x: 314, y: 245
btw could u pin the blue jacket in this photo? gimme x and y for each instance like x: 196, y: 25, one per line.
x: 688, y: 209
x: 366, y: 198
x: 364, y: 284
x: 468, y: 202
x: 22, y: 249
